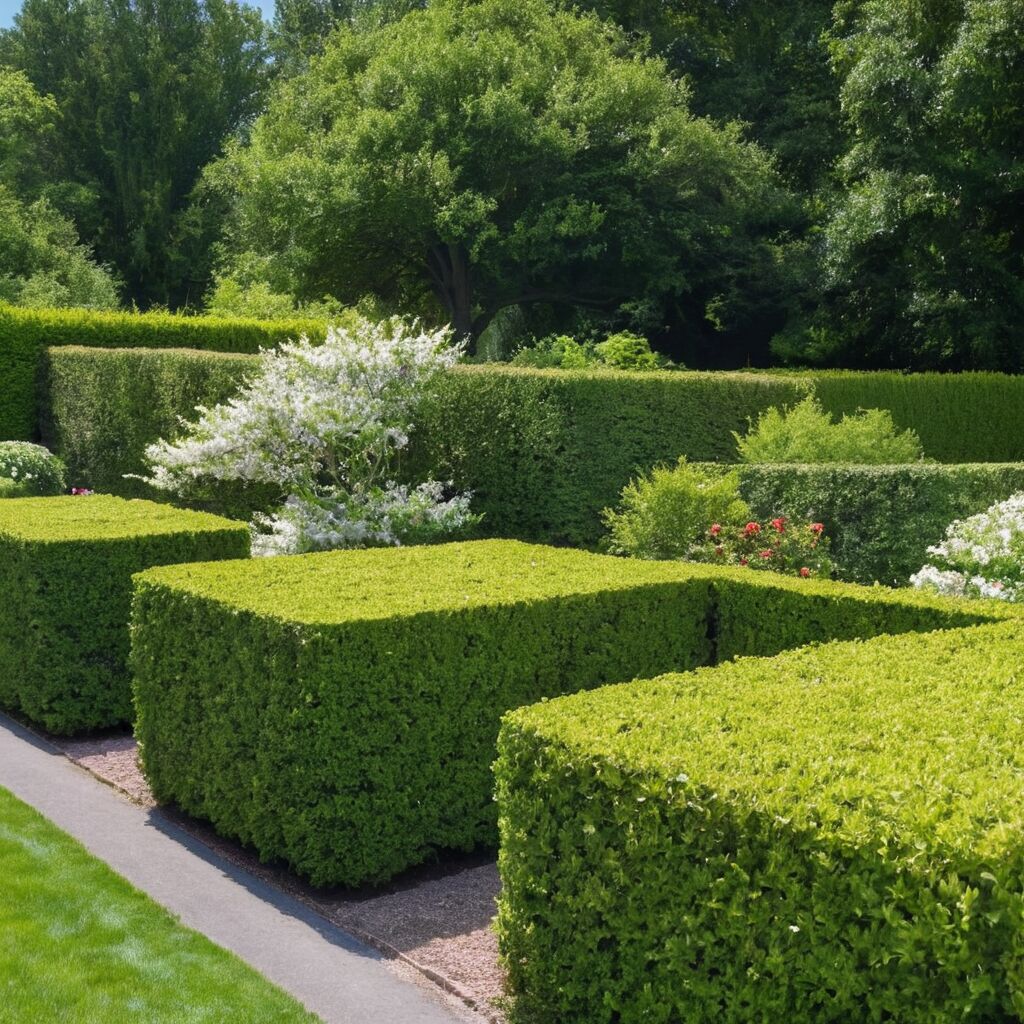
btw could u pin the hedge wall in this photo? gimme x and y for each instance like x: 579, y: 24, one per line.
x: 830, y: 835
x: 960, y: 417
x: 880, y: 519
x: 349, y: 730
x: 66, y: 565
x: 542, y: 450
x: 25, y: 333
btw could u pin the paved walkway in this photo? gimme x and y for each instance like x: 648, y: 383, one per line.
x: 329, y: 972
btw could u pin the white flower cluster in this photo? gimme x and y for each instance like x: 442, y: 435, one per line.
x: 982, y: 556
x: 324, y: 423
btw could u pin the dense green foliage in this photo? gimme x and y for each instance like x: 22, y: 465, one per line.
x: 349, y: 730
x: 28, y: 469
x: 79, y: 943
x: 807, y: 434
x: 922, y: 259
x: 959, y: 417
x: 830, y: 835
x: 147, y: 93
x: 880, y: 519
x: 24, y: 334
x: 665, y: 513
x: 481, y: 155
x: 65, y: 569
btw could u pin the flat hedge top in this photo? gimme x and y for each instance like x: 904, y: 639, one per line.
x: 380, y: 583
x: 101, y: 517
x: 893, y: 739
x: 56, y: 351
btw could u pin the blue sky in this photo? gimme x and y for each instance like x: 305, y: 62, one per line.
x: 8, y: 8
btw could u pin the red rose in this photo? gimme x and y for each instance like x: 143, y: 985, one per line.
x: 715, y: 530
x: 719, y: 550
x: 751, y: 529
x: 767, y: 553
x: 779, y: 524
x: 743, y: 561
x: 805, y: 572
x: 817, y: 527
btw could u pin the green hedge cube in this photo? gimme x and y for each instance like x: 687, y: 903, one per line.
x: 66, y: 566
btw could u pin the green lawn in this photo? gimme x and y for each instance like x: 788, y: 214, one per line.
x: 78, y: 944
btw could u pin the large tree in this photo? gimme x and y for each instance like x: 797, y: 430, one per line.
x: 922, y: 258
x: 147, y: 92
x: 497, y: 153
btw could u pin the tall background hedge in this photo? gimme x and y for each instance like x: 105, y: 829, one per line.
x: 26, y: 333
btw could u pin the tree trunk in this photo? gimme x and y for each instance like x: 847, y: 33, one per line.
x: 450, y: 272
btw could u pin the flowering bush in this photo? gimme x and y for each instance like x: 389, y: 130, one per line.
x: 30, y: 468
x: 323, y: 425
x: 779, y: 545
x: 982, y: 556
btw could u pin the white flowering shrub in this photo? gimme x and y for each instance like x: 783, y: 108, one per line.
x: 30, y: 469
x: 324, y: 424
x: 982, y: 556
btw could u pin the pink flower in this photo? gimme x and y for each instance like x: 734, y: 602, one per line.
x: 805, y: 572
x: 817, y: 528
x: 715, y: 530
x: 80, y: 490
x: 767, y: 553
x: 751, y: 529
x: 744, y: 561
x: 779, y: 524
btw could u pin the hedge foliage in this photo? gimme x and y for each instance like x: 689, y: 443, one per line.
x: 544, y: 451
x: 25, y: 333
x: 880, y: 519
x: 959, y: 417
x: 834, y: 834
x: 65, y: 572
x: 349, y: 729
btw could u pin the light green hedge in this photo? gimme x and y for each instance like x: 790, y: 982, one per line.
x: 880, y: 519
x: 834, y: 834
x: 349, y: 729
x: 25, y: 333
x: 960, y: 417
x: 66, y: 565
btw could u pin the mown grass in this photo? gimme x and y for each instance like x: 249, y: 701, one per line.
x: 79, y: 944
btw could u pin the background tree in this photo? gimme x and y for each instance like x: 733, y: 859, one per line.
x: 494, y: 154
x: 147, y: 91
x: 923, y: 252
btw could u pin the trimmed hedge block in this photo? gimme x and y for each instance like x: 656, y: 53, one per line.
x: 834, y: 834
x: 25, y: 333
x: 66, y: 565
x: 339, y: 711
x: 880, y: 520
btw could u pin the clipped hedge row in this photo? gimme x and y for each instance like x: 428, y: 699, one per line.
x: 960, y: 417
x: 66, y: 565
x: 544, y: 451
x: 26, y: 333
x: 880, y: 519
x: 834, y: 834
x: 349, y: 730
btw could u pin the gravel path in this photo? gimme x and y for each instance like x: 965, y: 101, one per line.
x: 435, y: 920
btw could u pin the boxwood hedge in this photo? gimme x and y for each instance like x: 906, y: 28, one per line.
x: 26, y: 333
x: 834, y: 834
x: 880, y: 519
x: 339, y: 711
x: 66, y: 565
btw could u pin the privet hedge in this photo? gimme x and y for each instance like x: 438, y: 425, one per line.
x: 65, y: 575
x: 960, y: 417
x: 339, y: 711
x: 25, y: 333
x: 880, y: 519
x: 834, y: 834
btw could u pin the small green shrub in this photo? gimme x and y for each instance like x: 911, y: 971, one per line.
x: 622, y: 351
x: 830, y: 835
x: 806, y: 433
x: 880, y: 520
x: 65, y: 572
x: 29, y: 469
x: 666, y: 513
x: 628, y: 351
